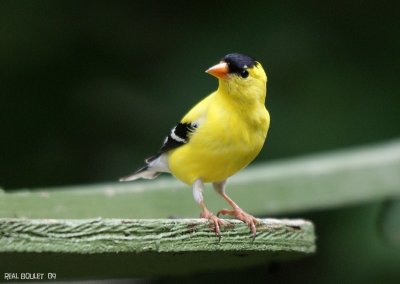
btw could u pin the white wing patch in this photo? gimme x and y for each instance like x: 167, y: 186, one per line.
x: 176, y: 137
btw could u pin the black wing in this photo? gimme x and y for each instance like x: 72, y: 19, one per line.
x: 178, y: 136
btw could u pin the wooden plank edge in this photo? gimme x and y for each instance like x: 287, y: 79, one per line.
x: 97, y: 236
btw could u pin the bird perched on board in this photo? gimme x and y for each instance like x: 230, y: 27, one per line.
x: 218, y: 137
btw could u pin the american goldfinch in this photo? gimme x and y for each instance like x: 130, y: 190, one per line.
x: 218, y: 137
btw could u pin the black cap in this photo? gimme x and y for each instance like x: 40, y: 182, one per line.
x: 238, y: 62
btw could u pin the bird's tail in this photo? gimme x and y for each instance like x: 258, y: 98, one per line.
x: 144, y: 172
x: 155, y: 165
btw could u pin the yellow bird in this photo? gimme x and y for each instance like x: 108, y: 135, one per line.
x: 218, y: 137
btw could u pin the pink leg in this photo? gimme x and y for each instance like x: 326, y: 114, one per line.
x: 236, y: 211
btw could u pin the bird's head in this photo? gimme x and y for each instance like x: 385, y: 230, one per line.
x: 241, y: 77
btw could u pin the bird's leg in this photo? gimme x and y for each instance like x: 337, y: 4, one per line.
x: 236, y: 211
x: 205, y: 213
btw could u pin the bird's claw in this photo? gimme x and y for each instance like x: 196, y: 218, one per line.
x: 239, y: 214
x: 216, y: 222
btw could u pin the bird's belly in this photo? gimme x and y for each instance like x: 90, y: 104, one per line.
x: 213, y: 160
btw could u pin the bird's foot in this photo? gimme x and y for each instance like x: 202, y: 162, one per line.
x: 239, y: 214
x: 216, y: 222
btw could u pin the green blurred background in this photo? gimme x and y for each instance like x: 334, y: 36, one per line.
x: 90, y: 88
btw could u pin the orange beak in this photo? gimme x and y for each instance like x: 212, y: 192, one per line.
x: 219, y: 70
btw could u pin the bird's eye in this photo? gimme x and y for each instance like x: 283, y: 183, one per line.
x: 244, y: 74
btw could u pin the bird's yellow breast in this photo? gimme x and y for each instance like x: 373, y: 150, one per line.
x: 228, y: 138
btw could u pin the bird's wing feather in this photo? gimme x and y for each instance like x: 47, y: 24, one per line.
x: 181, y: 133
x: 178, y: 136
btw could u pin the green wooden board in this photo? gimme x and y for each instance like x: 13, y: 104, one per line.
x: 152, y: 235
x: 148, y: 246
